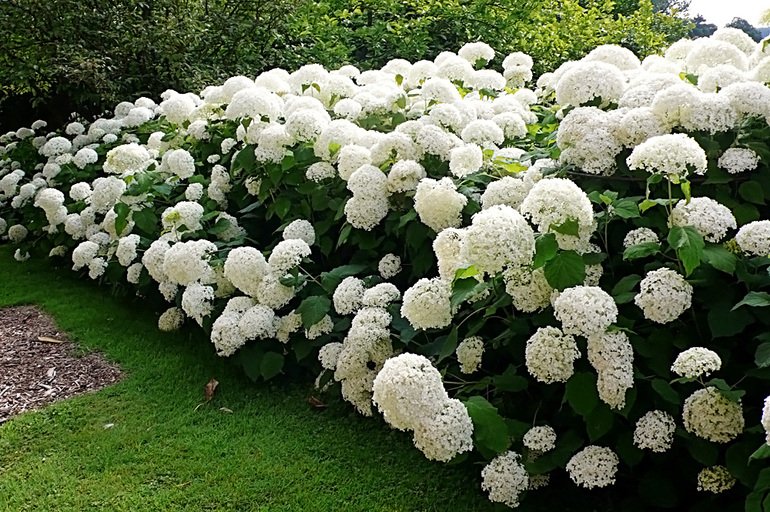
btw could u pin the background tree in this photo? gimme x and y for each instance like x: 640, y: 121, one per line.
x: 747, y: 27
x: 701, y: 28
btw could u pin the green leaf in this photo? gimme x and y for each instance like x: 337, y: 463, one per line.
x: 489, y: 429
x: 509, y: 381
x: 282, y: 206
x: 701, y: 450
x: 581, y: 394
x: 245, y: 159
x: 641, y: 250
x: 463, y: 273
x: 463, y: 289
x: 121, y: 221
x: 271, y: 365
x: 762, y: 355
x: 754, y: 502
x: 724, y: 322
x: 330, y: 280
x: 565, y: 270
x: 626, y: 284
x: 688, y: 244
x: 752, y: 192
x: 720, y: 258
x: 626, y: 208
x: 546, y: 248
x: 221, y: 226
x: 599, y: 422
x: 763, y: 452
x: 313, y: 309
x: 399, y: 79
x: 146, y: 220
x: 665, y: 390
x: 755, y: 299
x: 449, y: 345
x: 568, y: 227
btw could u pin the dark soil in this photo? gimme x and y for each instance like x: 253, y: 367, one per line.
x: 34, y: 373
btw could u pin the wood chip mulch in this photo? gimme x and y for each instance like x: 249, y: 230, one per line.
x: 35, y: 372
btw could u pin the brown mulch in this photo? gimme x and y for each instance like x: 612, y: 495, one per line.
x: 34, y: 373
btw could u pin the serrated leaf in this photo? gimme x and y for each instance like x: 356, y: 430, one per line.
x: 220, y: 226
x: 581, y: 393
x: 754, y: 299
x: 665, y: 390
x: 463, y: 273
x: 626, y: 284
x: 688, y: 244
x: 565, y: 270
x: 763, y: 452
x: 489, y: 429
x: 599, y: 422
x: 146, y: 220
x: 546, y: 248
x: 330, y: 280
x: 313, y: 309
x: 449, y: 345
x: 626, y: 208
x: 509, y: 381
x: 641, y: 250
x: 752, y: 192
x: 282, y: 206
x: 464, y: 289
x: 720, y: 258
x: 270, y: 365
x: 121, y: 221
x: 569, y: 227
x: 762, y: 355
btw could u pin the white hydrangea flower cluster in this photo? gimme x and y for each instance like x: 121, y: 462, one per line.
x: 427, y: 304
x: 505, y: 478
x: 754, y: 238
x: 711, y: 415
x: 711, y: 219
x: 696, y: 362
x: 663, y: 295
x: 540, y: 439
x: 766, y: 419
x: 529, y: 289
x: 715, y: 479
x: 389, y: 266
x: 171, y: 319
x: 300, y: 229
x: 674, y: 156
x: 593, y: 466
x: 438, y: 204
x: 612, y: 356
x: 738, y: 160
x: 640, y: 236
x: 655, y: 431
x: 550, y: 355
x: 469, y: 353
x: 585, y: 310
x: 410, y: 394
x: 553, y: 202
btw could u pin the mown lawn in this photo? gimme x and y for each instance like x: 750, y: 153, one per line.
x: 272, y: 453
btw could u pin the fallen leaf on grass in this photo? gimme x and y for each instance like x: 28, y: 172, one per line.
x: 315, y: 402
x: 210, y: 389
x: 225, y: 409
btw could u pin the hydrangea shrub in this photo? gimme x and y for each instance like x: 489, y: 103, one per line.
x: 566, y: 283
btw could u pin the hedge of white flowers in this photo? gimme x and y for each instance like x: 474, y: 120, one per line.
x: 566, y: 284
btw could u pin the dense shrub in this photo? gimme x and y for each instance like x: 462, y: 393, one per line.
x: 571, y: 277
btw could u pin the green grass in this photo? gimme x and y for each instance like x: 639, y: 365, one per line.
x: 272, y: 453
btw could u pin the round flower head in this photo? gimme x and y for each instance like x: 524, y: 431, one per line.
x: 711, y: 415
x: 389, y: 266
x: 766, y: 419
x: 427, y: 304
x: 474, y: 52
x: 655, y: 431
x: 587, y: 81
x: 711, y: 219
x: 381, y: 295
x: 404, y: 176
x: 663, y: 295
x: 348, y: 296
x: 550, y: 355
x: 529, y: 289
x: 737, y: 160
x: 407, y: 389
x: 465, y: 160
x: 674, y: 156
x: 696, y: 361
x: 593, y: 466
x: 446, y: 434
x: 715, y: 479
x: 469, y: 354
x: 540, y: 439
x: 554, y: 202
x: 585, y: 310
x: 438, y: 203
x: 754, y: 238
x: 640, y: 236
x: 258, y: 322
x: 508, y: 191
x: 171, y: 319
x: 287, y: 255
x: 498, y: 237
x: 505, y: 478
x: 245, y: 268
x: 180, y: 162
